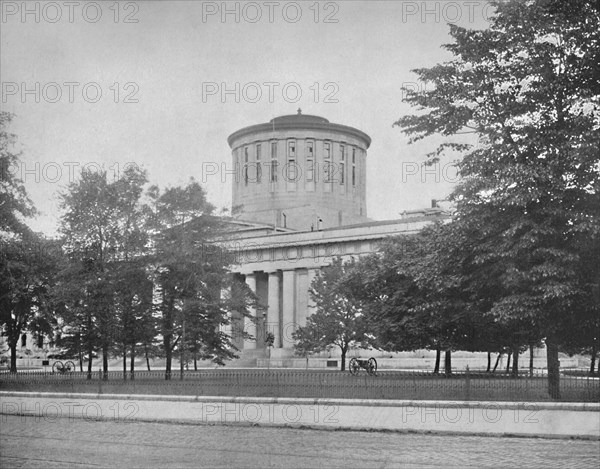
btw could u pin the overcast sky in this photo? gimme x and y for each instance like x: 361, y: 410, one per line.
x: 161, y: 68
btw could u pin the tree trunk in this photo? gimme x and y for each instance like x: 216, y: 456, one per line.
x: 90, y: 359
x: 132, y: 362
x: 448, y: 362
x: 147, y: 358
x: 182, y: 354
x: 195, y: 364
x: 124, y: 362
x: 79, y: 352
x: 438, y: 356
x: 508, y: 362
x: 531, y: 360
x: 13, y: 357
x: 593, y: 365
x: 105, y: 361
x: 553, y: 369
x: 497, y: 362
x: 344, y: 350
x: 181, y: 365
x: 90, y: 345
x: 168, y: 360
x: 168, y: 333
x: 489, y: 365
x: 515, y: 367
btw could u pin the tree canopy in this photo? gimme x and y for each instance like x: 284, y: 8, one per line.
x: 339, y: 319
x: 528, y: 204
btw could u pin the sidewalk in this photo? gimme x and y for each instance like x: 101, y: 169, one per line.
x: 543, y: 420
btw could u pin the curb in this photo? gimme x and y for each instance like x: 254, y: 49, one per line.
x: 499, y: 419
x: 508, y: 405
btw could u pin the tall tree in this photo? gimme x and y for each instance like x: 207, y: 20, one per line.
x: 103, y: 241
x: 26, y: 258
x: 339, y: 319
x: 133, y: 287
x: 415, y: 297
x: 194, y: 293
x: 529, y: 87
x: 391, y: 295
x: 15, y: 204
x: 133, y: 308
x: 27, y: 270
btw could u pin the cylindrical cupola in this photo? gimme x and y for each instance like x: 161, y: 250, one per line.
x: 301, y: 172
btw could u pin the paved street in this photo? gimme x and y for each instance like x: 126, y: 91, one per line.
x: 29, y: 442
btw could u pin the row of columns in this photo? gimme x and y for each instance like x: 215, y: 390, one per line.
x: 287, y: 304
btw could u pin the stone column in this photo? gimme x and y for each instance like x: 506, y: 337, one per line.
x: 301, y: 297
x: 249, y: 326
x: 289, y: 306
x: 273, y: 308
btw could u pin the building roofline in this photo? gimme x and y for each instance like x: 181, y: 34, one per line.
x: 332, y: 235
x: 289, y: 123
x: 252, y: 225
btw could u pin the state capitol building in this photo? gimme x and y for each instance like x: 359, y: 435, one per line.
x: 300, y: 201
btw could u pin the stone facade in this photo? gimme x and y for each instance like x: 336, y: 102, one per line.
x: 301, y: 192
x: 280, y: 267
x: 300, y: 172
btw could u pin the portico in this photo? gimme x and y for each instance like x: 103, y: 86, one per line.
x: 280, y: 267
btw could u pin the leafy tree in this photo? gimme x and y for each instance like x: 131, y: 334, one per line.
x: 14, y: 201
x: 339, y: 317
x: 414, y: 296
x: 27, y: 269
x: 190, y: 276
x: 104, y: 243
x: 392, y: 298
x: 133, y: 308
x: 27, y: 259
x: 528, y: 86
x: 77, y: 328
x: 133, y: 288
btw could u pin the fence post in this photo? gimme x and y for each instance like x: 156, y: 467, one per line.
x: 468, y: 385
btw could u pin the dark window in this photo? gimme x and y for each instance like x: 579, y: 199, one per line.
x: 246, y: 166
x: 310, y: 160
x: 258, y: 165
x: 273, y: 161
x: 354, y: 166
x: 327, y: 169
x: 342, y: 164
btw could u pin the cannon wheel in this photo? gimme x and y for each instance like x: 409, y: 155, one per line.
x: 69, y: 367
x: 354, y: 366
x: 57, y: 367
x: 372, y: 366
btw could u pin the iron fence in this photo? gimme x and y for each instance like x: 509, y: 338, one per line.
x: 310, y: 384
